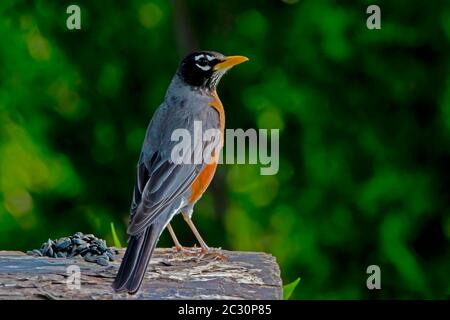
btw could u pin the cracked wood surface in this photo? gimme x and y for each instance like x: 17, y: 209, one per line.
x: 171, y: 275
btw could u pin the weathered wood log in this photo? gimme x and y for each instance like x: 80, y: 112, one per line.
x: 171, y: 275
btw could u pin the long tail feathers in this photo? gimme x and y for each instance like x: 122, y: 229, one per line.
x: 135, y: 261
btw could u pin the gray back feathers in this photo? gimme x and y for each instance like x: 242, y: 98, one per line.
x: 161, y: 183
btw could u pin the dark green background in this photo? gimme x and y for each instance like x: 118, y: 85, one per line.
x: 364, y: 119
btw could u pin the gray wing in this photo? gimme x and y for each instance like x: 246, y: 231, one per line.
x: 160, y: 181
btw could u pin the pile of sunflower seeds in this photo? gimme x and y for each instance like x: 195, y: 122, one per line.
x: 88, y: 246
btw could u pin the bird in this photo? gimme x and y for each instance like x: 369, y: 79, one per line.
x: 164, y: 187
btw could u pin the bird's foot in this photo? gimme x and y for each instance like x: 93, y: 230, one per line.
x: 186, y: 252
x: 200, y: 253
x: 215, y: 253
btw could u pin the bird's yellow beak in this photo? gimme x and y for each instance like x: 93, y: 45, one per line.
x: 229, y: 62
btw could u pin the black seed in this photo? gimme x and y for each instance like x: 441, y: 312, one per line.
x: 35, y: 252
x: 90, y: 258
x: 102, y: 261
x: 110, y: 256
x: 47, y: 246
x: 83, y: 246
x: 63, y: 244
x: 81, y: 250
x: 78, y: 241
x: 78, y: 235
x: 84, y: 251
x: 102, y: 246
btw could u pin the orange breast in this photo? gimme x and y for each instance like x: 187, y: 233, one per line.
x: 203, y: 180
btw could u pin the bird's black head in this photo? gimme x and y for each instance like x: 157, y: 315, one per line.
x: 204, y: 69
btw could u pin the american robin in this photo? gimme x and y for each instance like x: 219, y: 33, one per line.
x: 165, y: 187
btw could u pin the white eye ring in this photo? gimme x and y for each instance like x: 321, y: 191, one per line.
x: 210, y: 58
x: 204, y: 68
x: 199, y: 57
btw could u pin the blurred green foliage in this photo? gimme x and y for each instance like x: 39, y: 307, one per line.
x: 364, y: 117
x: 115, y: 238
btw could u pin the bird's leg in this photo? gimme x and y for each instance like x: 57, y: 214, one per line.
x: 178, y: 246
x: 197, y: 235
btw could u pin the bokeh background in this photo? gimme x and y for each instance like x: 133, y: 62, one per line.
x: 364, y: 119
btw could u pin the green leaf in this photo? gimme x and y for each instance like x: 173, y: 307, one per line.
x: 117, y: 243
x: 289, y: 289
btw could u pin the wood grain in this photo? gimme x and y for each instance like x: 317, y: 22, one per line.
x: 171, y: 275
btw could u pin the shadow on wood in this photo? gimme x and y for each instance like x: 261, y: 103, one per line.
x: 171, y: 275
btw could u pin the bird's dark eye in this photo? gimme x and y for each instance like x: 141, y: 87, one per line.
x: 203, y: 62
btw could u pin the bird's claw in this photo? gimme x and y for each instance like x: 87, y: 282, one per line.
x: 203, y: 252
